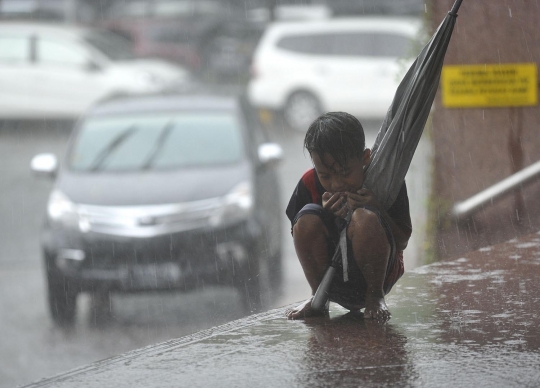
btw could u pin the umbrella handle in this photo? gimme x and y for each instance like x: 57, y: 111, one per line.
x: 320, y: 298
x: 455, y: 8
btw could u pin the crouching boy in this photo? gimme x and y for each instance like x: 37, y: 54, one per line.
x: 318, y: 207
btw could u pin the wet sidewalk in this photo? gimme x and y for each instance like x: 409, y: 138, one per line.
x: 474, y: 321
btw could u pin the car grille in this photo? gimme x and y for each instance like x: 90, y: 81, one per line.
x: 190, y: 250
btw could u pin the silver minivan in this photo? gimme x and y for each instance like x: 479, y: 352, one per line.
x: 163, y: 193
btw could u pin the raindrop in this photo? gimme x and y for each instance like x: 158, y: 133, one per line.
x: 510, y: 11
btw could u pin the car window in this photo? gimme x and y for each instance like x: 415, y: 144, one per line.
x: 14, y: 49
x: 368, y: 44
x: 391, y: 45
x: 61, y: 53
x: 157, y: 141
x: 353, y: 44
x: 307, y: 44
x: 112, y: 45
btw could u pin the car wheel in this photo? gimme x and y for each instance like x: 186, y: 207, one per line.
x: 100, y: 308
x: 300, y: 110
x: 62, y: 297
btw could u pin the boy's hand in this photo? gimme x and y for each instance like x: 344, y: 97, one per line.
x: 362, y: 198
x: 335, y: 203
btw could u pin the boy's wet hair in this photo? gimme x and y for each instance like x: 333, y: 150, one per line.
x: 339, y: 134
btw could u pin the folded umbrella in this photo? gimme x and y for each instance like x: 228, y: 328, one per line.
x: 400, y: 133
x: 404, y: 123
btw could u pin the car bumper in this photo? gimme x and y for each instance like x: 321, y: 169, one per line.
x: 185, y: 260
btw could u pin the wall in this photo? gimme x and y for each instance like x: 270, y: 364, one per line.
x: 476, y: 148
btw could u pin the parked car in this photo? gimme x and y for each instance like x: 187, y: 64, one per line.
x: 156, y: 38
x: 207, y: 37
x: 59, y: 71
x: 305, y: 68
x: 162, y: 193
x: 170, y: 29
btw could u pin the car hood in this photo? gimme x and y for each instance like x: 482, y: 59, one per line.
x: 152, y: 187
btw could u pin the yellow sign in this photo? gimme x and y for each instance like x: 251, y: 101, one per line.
x: 473, y: 86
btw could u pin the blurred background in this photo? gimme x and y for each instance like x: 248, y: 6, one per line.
x: 121, y: 101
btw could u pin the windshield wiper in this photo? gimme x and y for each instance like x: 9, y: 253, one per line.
x: 100, y: 159
x: 159, y: 145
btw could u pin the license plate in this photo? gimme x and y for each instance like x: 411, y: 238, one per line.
x: 155, y: 275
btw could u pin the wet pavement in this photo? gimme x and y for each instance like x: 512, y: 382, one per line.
x: 473, y: 321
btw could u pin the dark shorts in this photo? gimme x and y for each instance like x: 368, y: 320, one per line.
x: 351, y: 294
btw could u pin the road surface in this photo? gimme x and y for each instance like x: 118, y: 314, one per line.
x: 33, y: 348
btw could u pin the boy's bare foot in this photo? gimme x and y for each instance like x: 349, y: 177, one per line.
x: 304, y: 310
x: 376, y: 308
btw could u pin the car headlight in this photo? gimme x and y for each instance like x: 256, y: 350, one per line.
x: 237, y: 206
x: 60, y: 208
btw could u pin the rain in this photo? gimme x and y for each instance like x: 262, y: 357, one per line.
x: 150, y: 149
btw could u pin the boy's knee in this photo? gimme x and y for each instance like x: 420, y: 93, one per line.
x: 363, y: 223
x: 308, y: 225
x: 368, y: 235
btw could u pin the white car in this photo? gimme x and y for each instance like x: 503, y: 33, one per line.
x: 355, y: 65
x: 55, y: 71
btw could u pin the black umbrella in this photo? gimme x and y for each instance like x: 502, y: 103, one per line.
x: 404, y: 123
x: 399, y: 135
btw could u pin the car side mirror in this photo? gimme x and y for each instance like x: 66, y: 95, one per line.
x: 270, y: 154
x: 44, y: 165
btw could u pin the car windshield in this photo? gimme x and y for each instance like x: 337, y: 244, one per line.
x: 115, y: 47
x: 157, y: 141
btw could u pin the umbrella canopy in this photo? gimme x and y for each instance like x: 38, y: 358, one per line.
x: 404, y: 123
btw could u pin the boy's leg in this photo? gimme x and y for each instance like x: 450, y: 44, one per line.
x: 311, y: 238
x: 311, y: 244
x: 371, y: 250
